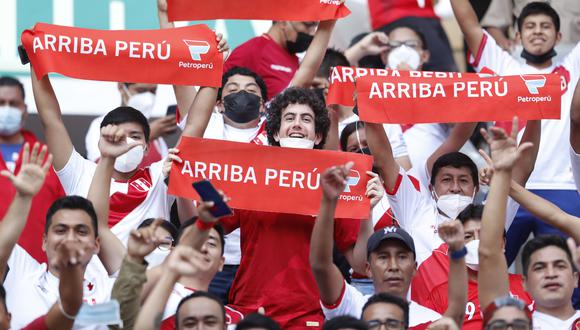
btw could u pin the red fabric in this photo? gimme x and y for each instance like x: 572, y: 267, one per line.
x: 153, y: 154
x: 477, y: 58
x: 384, y: 12
x: 38, y: 324
x: 122, y: 204
x: 179, y: 56
x: 31, y: 238
x: 272, y: 63
x: 295, y: 10
x: 274, y: 270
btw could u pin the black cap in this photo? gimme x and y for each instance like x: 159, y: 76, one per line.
x: 390, y: 233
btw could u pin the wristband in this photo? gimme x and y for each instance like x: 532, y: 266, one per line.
x: 458, y: 254
x: 68, y: 316
x: 203, y: 226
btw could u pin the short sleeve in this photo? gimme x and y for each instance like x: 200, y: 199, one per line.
x: 493, y: 57
x: 345, y: 233
x: 395, y: 135
x: 575, y: 159
x: 405, y: 199
x: 511, y: 211
x: 572, y: 63
x: 437, y: 299
x: 20, y: 262
x: 232, y: 222
x: 350, y: 302
x: 92, y: 139
x: 76, y: 175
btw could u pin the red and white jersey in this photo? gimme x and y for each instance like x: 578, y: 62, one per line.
x: 274, y: 271
x: 351, y: 302
x: 179, y: 292
x: 543, y: 321
x: 552, y: 168
x: 575, y: 159
x: 141, y: 197
x: 32, y: 290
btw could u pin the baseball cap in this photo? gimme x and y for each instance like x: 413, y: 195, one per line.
x: 390, y: 233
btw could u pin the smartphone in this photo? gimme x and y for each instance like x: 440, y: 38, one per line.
x: 208, y: 193
x: 171, y: 110
x: 23, y: 56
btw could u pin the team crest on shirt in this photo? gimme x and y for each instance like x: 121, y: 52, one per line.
x: 576, y: 324
x: 88, y: 287
x: 141, y: 184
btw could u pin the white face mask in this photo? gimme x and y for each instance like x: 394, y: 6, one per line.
x: 129, y: 161
x: 156, y: 257
x: 297, y: 143
x: 143, y: 102
x: 403, y: 54
x: 10, y: 120
x: 472, y: 258
x: 452, y: 204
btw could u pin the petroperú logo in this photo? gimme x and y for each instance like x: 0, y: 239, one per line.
x: 197, y: 48
x: 352, y: 180
x: 534, y: 83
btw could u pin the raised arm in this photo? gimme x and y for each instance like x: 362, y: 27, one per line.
x: 328, y: 277
x: 381, y: 150
x: 27, y: 183
x: 451, y: 233
x: 493, y: 274
x: 468, y: 23
x: 460, y: 133
x: 373, y: 43
x: 113, y: 143
x: 575, y: 120
x: 57, y: 138
x: 314, y: 55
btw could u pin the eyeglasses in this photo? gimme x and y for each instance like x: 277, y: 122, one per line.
x: 518, y: 324
x: 390, y: 324
x: 166, y: 244
x: 408, y: 43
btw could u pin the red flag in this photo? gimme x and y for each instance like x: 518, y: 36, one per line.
x: 182, y: 56
x: 295, y: 10
x: 270, y: 179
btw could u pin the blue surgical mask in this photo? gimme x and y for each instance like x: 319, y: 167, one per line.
x: 10, y: 120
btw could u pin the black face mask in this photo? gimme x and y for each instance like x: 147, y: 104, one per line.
x: 301, y: 44
x: 538, y: 59
x: 364, y: 151
x: 242, y: 107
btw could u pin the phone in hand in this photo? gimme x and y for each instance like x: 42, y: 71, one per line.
x: 207, y: 192
x: 171, y: 110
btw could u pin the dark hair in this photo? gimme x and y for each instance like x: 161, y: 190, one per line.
x: 540, y: 242
x: 389, y: 299
x: 538, y: 8
x: 256, y: 320
x: 12, y: 82
x: 332, y: 58
x: 297, y: 95
x: 121, y: 115
x: 3, y: 297
x: 199, y: 294
x: 347, y: 131
x: 243, y: 72
x: 414, y: 28
x: 167, y: 225
x: 456, y: 160
x: 471, y: 212
x: 190, y: 222
x: 345, y: 322
x: 72, y: 203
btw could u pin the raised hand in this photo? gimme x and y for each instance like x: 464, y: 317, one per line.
x: 162, y: 6
x: 204, y: 209
x: 185, y: 261
x: 575, y: 250
x: 451, y: 232
x: 504, y: 149
x: 375, y: 190
x: 333, y: 180
x: 444, y: 323
x: 222, y: 43
x: 374, y: 43
x: 70, y: 253
x: 162, y: 126
x: 172, y: 156
x: 143, y: 241
x: 113, y: 142
x: 33, y: 170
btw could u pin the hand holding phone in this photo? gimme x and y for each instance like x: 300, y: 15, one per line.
x: 208, y: 193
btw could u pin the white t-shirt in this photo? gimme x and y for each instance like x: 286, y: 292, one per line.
x: 417, y: 213
x: 552, y: 169
x: 143, y: 196
x: 546, y: 322
x: 423, y: 139
x: 94, y: 134
x: 351, y: 303
x: 393, y: 131
x: 575, y: 159
x: 32, y: 290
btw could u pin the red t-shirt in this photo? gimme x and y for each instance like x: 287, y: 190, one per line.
x: 274, y: 271
x: 384, y: 12
x: 37, y: 324
x: 265, y: 57
x: 31, y: 238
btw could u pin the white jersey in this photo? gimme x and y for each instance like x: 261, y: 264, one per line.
x: 94, y: 134
x: 351, y: 302
x: 417, y: 213
x: 575, y: 159
x: 552, y: 168
x: 143, y: 196
x: 32, y: 290
x: 393, y: 131
x: 422, y: 141
x: 543, y: 321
